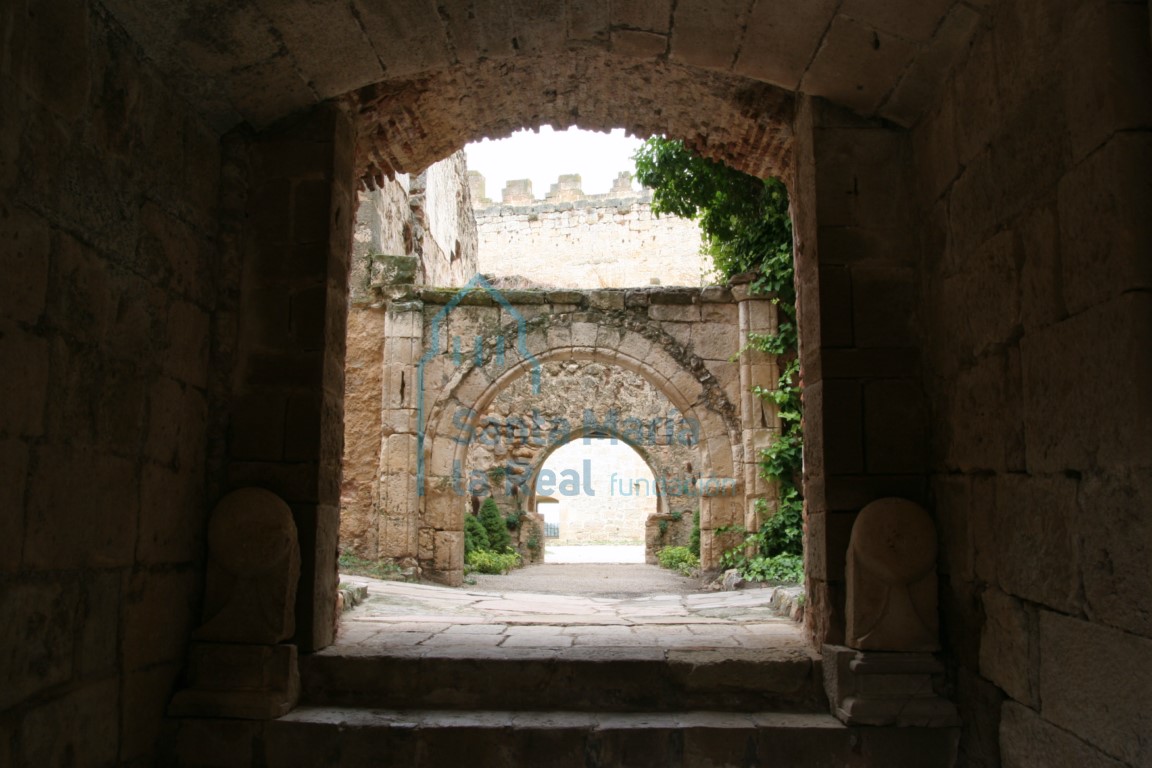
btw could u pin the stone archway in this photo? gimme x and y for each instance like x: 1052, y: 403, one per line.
x: 641, y: 347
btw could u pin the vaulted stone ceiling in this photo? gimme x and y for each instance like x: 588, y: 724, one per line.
x: 260, y: 60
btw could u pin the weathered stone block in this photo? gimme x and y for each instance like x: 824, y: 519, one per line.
x: 1029, y: 741
x: 1086, y: 670
x: 925, y: 76
x: 1116, y: 545
x: 13, y: 477
x: 1036, y: 549
x: 84, y: 722
x: 1104, y: 237
x: 652, y: 15
x: 1008, y: 652
x: 1111, y: 381
x: 88, y: 521
x: 1041, y: 289
x: 250, y: 681
x: 707, y: 34
x: 842, y: 437
x: 24, y: 357
x: 144, y: 697
x: 608, y: 300
x: 216, y: 742
x: 1107, y: 64
x: 158, y: 610
x: 876, y: 58
x: 715, y: 341
x: 24, y: 259
x: 895, y: 426
x: 974, y: 86
x: 39, y: 631
x: 788, y: 37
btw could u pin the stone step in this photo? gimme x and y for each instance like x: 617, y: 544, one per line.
x: 328, y: 737
x: 582, y: 679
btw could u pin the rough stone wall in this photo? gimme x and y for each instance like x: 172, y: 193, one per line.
x: 603, y: 241
x: 427, y: 216
x: 1032, y: 172
x: 401, y: 230
x: 383, y: 226
x: 450, y: 243
x: 108, y: 245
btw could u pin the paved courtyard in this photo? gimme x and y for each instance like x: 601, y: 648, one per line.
x: 419, y: 616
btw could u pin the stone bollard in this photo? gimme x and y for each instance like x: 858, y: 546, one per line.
x: 238, y: 665
x: 885, y: 675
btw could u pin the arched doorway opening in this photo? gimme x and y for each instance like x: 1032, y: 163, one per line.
x: 601, y: 492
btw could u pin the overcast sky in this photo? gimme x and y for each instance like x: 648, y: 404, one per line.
x: 544, y: 156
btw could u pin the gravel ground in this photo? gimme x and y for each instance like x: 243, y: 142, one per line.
x: 608, y: 580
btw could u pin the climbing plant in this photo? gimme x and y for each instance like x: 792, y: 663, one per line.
x: 746, y: 228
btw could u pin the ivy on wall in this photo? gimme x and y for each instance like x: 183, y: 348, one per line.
x: 746, y: 228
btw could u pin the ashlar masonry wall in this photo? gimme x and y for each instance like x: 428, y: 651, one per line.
x: 409, y: 229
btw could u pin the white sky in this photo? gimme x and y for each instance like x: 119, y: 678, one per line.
x: 544, y: 156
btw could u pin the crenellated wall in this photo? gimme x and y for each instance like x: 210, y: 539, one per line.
x: 573, y: 240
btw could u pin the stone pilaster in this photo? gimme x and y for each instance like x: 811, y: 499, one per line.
x: 397, y: 497
x: 759, y: 420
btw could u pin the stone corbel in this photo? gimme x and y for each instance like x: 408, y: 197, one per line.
x: 885, y: 673
x: 238, y: 664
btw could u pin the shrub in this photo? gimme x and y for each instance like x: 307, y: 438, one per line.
x: 495, y: 526
x: 678, y: 559
x: 786, y: 569
x: 483, y: 561
x: 475, y: 535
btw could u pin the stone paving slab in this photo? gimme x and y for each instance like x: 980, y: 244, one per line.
x: 404, y: 618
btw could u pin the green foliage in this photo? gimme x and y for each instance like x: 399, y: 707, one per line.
x: 747, y: 228
x: 785, y: 569
x: 475, y: 535
x: 512, y: 519
x: 495, y: 526
x: 485, y: 561
x: 744, y: 220
x: 694, y: 539
x: 678, y: 559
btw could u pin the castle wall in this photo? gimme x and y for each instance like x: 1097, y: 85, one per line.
x: 572, y: 240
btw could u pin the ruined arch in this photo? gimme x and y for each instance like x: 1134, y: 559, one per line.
x: 601, y: 336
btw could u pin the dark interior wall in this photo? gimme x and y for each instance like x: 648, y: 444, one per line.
x: 1034, y: 194
x: 864, y: 407
x: 286, y: 420
x: 108, y: 191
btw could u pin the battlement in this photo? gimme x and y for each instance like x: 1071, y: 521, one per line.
x: 567, y: 191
